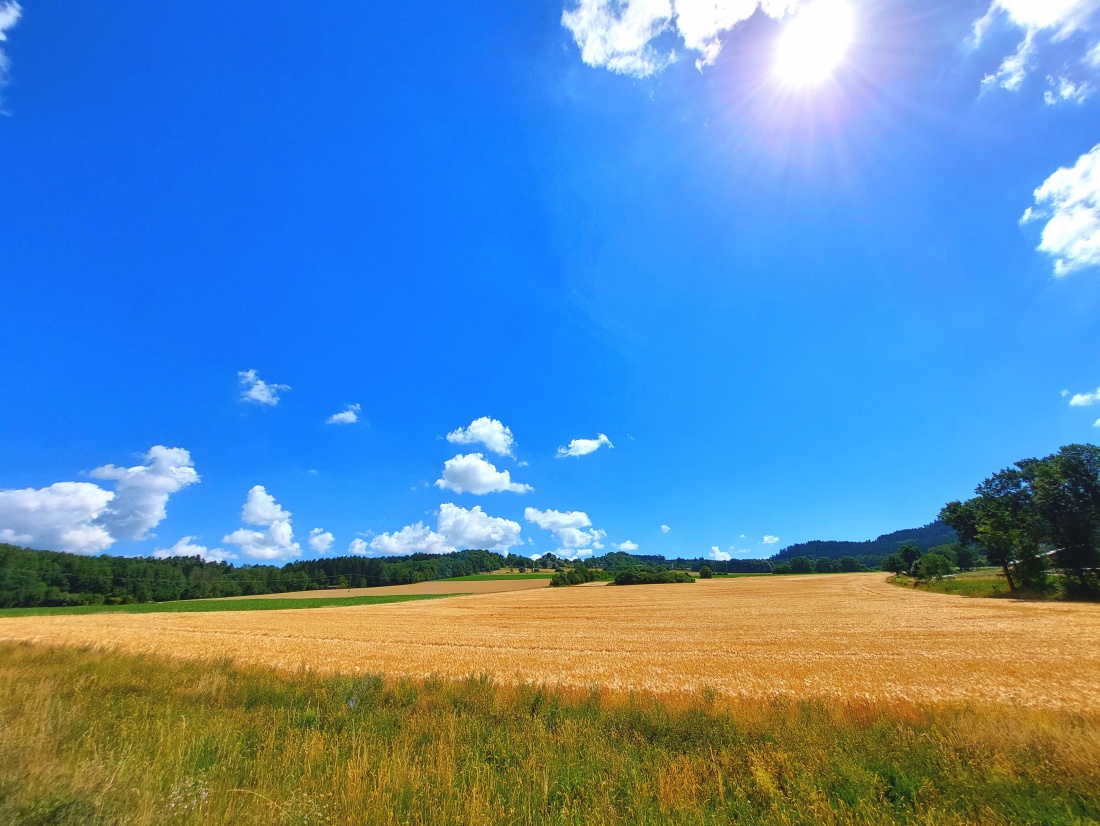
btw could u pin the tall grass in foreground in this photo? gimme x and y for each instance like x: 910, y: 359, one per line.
x: 91, y: 737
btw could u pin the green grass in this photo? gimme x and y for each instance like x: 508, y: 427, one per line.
x: 494, y: 577
x: 100, y: 738
x: 987, y: 583
x: 205, y: 605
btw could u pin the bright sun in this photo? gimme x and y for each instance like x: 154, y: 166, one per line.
x: 813, y: 42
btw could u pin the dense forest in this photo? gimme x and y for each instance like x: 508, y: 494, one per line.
x: 872, y: 552
x: 31, y: 578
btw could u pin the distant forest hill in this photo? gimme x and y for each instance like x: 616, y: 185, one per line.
x: 873, y: 551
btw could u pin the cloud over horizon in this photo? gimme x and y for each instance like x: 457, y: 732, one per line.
x: 456, y: 529
x: 84, y: 518
x: 568, y: 529
x: 276, y: 542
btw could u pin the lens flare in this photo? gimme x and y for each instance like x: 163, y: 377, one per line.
x: 814, y: 42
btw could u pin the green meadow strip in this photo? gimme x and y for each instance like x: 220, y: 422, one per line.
x: 201, y: 606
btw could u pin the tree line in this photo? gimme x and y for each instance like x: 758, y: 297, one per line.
x: 30, y: 578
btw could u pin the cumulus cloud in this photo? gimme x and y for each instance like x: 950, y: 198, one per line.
x: 61, y: 517
x: 10, y: 12
x: 359, y: 548
x: 456, y: 529
x: 493, y: 434
x: 665, y: 529
x: 188, y: 547
x: 256, y: 390
x: 82, y: 517
x: 582, y: 447
x: 623, y: 35
x: 770, y: 540
x: 350, y: 415
x: 277, y: 540
x: 569, y: 530
x: 141, y: 492
x: 320, y: 540
x: 471, y: 473
x: 627, y: 546
x: 1042, y: 22
x: 1069, y: 201
x: 719, y: 555
x: 1084, y: 399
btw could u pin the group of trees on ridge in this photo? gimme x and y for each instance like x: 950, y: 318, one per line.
x: 1037, y: 516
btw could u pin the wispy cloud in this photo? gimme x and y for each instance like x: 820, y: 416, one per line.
x: 256, y: 390
x: 10, y: 12
x: 770, y: 540
x: 350, y: 415
x: 582, y: 447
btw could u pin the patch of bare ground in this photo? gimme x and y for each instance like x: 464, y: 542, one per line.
x: 846, y: 636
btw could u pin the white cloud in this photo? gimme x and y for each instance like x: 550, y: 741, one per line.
x: 359, y: 548
x: 61, y: 517
x: 260, y: 508
x: 1070, y: 201
x: 277, y: 542
x: 1096, y: 423
x: 456, y: 529
x: 1065, y: 89
x: 256, y: 390
x: 485, y: 431
x: 81, y: 517
x: 470, y: 473
x: 568, y: 529
x: 770, y: 540
x: 627, y: 546
x: 473, y: 528
x: 719, y: 555
x: 187, y: 547
x: 10, y: 12
x: 1084, y: 399
x: 582, y: 447
x: 347, y: 416
x: 1055, y: 20
x: 412, y: 539
x: 320, y: 540
x: 665, y: 529
x: 141, y: 492
x: 621, y: 35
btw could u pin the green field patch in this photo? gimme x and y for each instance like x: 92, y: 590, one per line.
x: 201, y: 606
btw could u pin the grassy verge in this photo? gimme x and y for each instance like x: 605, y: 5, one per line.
x: 984, y: 583
x: 205, y: 605
x: 92, y: 737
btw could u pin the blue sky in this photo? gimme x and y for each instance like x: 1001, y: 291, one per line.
x: 794, y: 310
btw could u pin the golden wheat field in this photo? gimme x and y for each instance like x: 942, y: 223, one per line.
x: 842, y: 636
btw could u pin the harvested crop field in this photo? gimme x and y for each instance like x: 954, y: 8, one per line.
x: 843, y: 635
x: 440, y: 586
